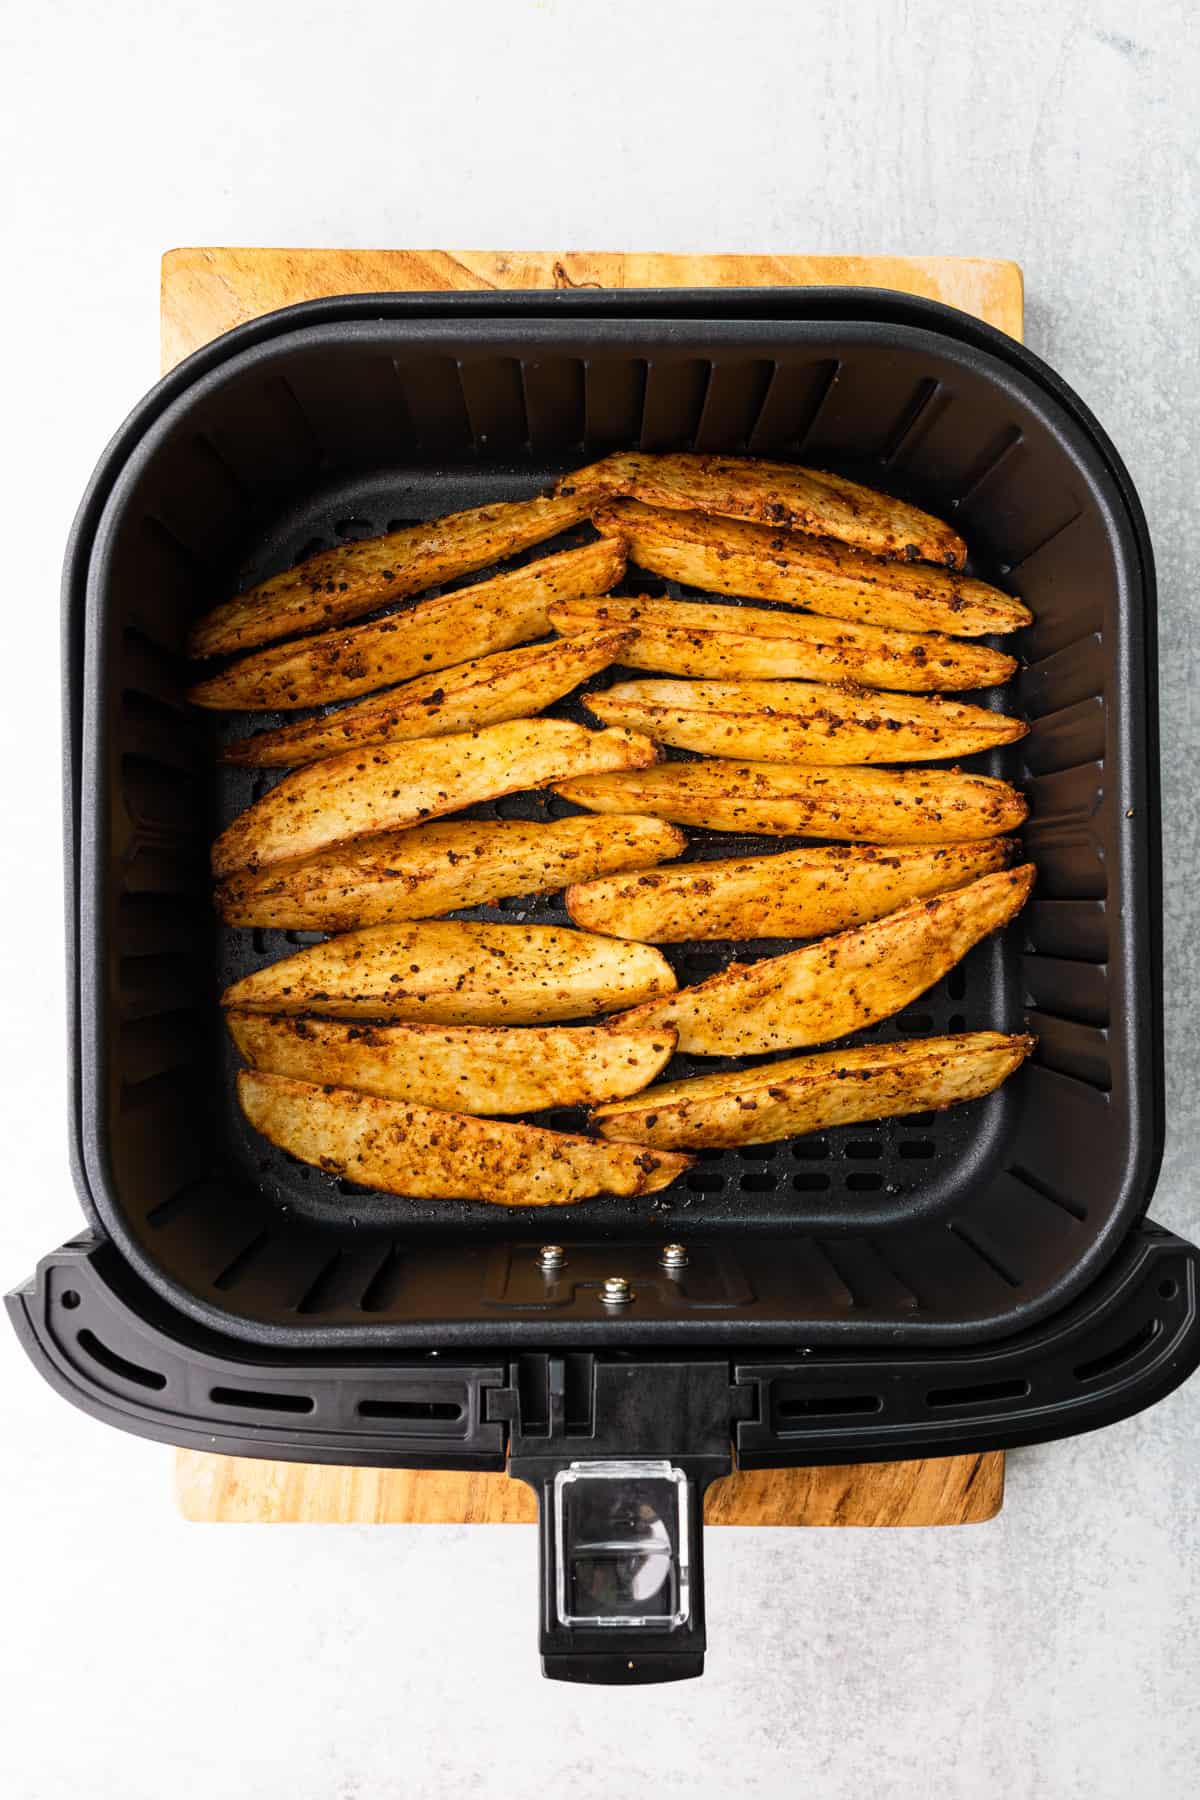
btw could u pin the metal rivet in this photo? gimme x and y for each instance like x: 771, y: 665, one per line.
x: 616, y: 1291
x: 551, y: 1256
x: 674, y: 1256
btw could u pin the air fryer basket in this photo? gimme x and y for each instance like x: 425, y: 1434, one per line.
x: 929, y: 1286
x: 964, y: 1225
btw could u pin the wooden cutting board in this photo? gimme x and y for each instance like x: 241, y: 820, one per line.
x: 206, y: 291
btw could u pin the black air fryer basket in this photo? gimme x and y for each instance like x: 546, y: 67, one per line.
x: 955, y: 1281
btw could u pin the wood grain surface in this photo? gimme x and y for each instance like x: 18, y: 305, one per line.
x: 949, y: 1490
x: 206, y: 291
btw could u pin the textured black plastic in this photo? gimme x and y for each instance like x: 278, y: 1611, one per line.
x: 109, y: 1344
x: 963, y: 1226
x: 678, y: 1412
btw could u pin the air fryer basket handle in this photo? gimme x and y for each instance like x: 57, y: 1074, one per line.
x: 620, y: 1474
x: 621, y: 1572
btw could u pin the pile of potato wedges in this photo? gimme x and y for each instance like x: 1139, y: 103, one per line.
x: 812, y: 701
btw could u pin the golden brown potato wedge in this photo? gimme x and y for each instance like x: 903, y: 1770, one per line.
x: 432, y: 869
x: 727, y: 556
x: 802, y: 721
x: 363, y: 792
x: 423, y: 1154
x: 434, y: 634
x: 685, y: 637
x: 457, y: 972
x: 358, y: 578
x: 773, y: 493
x: 794, y: 893
x: 458, y: 1068
x: 839, y: 984
x: 883, y: 806
x: 516, y: 684
x: 811, y: 1093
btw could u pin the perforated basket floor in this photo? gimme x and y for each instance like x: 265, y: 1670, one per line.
x: 851, y: 1175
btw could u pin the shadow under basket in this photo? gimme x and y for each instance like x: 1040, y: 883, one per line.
x: 967, y: 1223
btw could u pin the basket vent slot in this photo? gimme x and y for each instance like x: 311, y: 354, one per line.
x: 117, y: 1364
x: 978, y: 1393
x: 1122, y: 1354
x: 814, y: 1406
x: 409, y: 1409
x: 810, y: 1149
x: 254, y: 1400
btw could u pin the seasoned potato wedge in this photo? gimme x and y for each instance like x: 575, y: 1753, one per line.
x: 794, y: 893
x: 456, y: 972
x: 727, y: 556
x: 802, y: 721
x: 459, y: 1068
x: 773, y: 493
x: 424, y: 1154
x: 838, y: 984
x: 685, y: 637
x: 811, y: 1093
x: 434, y: 634
x: 516, y: 684
x: 359, y: 577
x: 362, y: 792
x: 432, y: 869
x: 884, y: 806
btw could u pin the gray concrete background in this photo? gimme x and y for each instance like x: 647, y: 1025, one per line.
x: 1052, y: 1653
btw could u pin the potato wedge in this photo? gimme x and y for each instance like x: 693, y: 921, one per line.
x: 362, y: 792
x: 358, y: 578
x: 516, y: 684
x: 458, y: 1068
x: 432, y: 869
x: 883, y: 806
x: 423, y: 1154
x: 773, y: 493
x: 839, y: 984
x: 456, y: 972
x: 434, y: 634
x: 685, y: 637
x: 802, y: 721
x: 812, y: 1093
x: 794, y: 893
x: 727, y: 556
